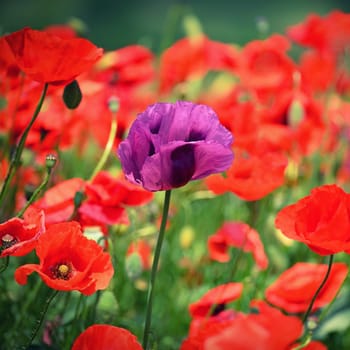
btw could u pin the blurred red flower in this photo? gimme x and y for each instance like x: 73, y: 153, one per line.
x: 325, y: 65
x: 69, y: 261
x: 106, y: 197
x: 240, y: 235
x: 191, y: 58
x: 58, y: 201
x: 125, y: 68
x: 253, y: 174
x: 295, y: 287
x: 264, y: 64
x: 328, y: 34
x: 106, y: 337
x: 143, y: 249
x: 48, y: 58
x: 216, y: 298
x: 18, y: 236
x: 320, y: 220
x: 265, y: 329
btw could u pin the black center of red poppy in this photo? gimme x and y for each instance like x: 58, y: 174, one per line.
x: 62, y: 271
x: 7, y: 241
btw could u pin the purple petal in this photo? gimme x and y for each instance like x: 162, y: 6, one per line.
x: 211, y: 158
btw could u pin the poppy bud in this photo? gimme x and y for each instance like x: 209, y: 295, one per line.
x: 72, y: 95
x: 78, y: 198
x: 50, y: 161
x: 133, y: 266
x: 295, y: 113
x: 113, y: 104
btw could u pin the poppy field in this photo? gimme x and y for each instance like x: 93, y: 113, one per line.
x: 195, y: 199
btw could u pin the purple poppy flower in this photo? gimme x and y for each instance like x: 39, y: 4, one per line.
x: 170, y: 144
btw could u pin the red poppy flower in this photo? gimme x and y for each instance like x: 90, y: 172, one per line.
x: 240, y: 235
x: 216, y: 297
x: 19, y: 237
x: 264, y: 64
x: 58, y: 201
x: 192, y: 58
x: 8, y: 65
x: 269, y: 329
x: 252, y: 175
x: 106, y: 337
x: 69, y: 261
x: 295, y: 287
x: 318, y: 70
x: 320, y: 220
x: 107, y: 196
x: 48, y: 58
x: 126, y: 68
x: 327, y: 34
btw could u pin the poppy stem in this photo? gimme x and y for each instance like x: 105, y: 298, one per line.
x: 5, y: 263
x: 308, y: 311
x: 40, y: 320
x: 16, y: 157
x: 110, y: 141
x: 38, y: 190
x: 155, y: 269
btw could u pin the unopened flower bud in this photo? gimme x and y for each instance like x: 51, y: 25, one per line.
x: 295, y: 113
x: 133, y: 266
x: 78, y: 198
x: 50, y: 161
x: 72, y: 95
x: 113, y: 104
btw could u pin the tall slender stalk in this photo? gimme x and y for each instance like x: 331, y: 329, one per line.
x: 308, y: 311
x: 309, y: 331
x: 15, y: 159
x: 41, y: 187
x: 109, y: 144
x: 40, y: 319
x: 155, y: 269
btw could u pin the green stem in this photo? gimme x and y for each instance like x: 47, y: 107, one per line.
x: 15, y: 159
x: 233, y: 271
x: 29, y: 299
x: 36, y: 193
x: 109, y: 146
x: 306, y: 341
x: 5, y: 263
x: 308, y: 311
x: 155, y: 269
x: 40, y: 320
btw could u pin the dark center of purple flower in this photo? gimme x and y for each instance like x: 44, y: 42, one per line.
x: 7, y: 241
x: 62, y: 271
x: 182, y: 165
x: 195, y: 135
x: 151, y: 150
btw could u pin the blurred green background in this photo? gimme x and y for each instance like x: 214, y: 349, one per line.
x: 112, y: 23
